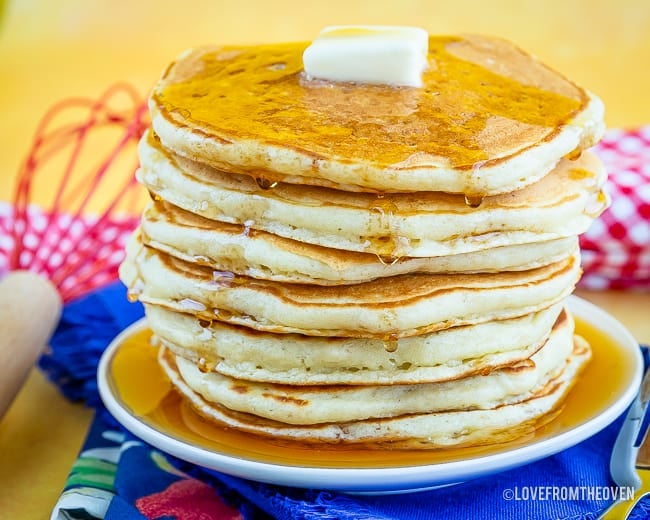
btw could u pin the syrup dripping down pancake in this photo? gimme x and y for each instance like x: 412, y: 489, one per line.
x: 296, y: 359
x: 564, y: 203
x: 389, y: 308
x: 246, y: 251
x: 489, y: 119
x: 443, y: 429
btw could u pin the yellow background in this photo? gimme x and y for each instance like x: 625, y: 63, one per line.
x: 54, y: 49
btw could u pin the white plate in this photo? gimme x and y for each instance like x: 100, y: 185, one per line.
x: 385, y: 480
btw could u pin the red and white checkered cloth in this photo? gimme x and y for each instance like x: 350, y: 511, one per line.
x: 78, y: 254
x: 616, y: 249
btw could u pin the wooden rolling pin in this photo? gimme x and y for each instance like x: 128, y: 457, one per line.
x: 30, y: 307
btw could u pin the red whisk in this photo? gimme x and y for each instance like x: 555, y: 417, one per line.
x: 75, y: 203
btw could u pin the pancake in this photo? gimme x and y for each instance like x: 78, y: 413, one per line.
x: 564, y: 203
x: 296, y: 359
x: 341, y: 403
x: 388, y: 308
x: 456, y: 428
x: 490, y: 119
x: 262, y: 255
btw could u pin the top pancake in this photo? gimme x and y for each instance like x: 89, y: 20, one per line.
x: 489, y: 119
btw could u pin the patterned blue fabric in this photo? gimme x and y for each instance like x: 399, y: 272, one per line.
x: 88, y: 325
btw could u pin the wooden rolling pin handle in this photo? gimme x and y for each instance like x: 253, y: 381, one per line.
x: 30, y: 307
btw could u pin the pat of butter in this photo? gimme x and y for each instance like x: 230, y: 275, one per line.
x: 377, y: 54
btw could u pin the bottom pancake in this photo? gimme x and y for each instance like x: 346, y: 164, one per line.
x: 298, y: 404
x: 501, y: 423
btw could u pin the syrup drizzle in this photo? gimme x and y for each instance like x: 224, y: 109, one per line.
x: 473, y: 202
x: 389, y: 260
x: 390, y: 345
x: 202, y: 260
x: 265, y: 184
x: 386, y: 243
x: 205, y: 365
x: 282, y: 108
x: 574, y: 155
x: 143, y: 388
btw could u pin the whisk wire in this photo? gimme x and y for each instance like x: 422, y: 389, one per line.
x: 76, y: 250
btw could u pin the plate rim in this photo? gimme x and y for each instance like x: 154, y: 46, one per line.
x: 385, y: 480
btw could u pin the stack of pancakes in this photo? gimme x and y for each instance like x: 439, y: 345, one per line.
x: 346, y: 263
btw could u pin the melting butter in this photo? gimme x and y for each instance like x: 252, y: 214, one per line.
x: 374, y: 54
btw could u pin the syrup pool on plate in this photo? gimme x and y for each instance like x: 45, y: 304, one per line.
x: 145, y: 391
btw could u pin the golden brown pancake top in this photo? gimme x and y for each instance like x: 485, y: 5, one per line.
x: 483, y: 99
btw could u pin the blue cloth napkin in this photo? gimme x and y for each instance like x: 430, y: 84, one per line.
x: 133, y: 480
